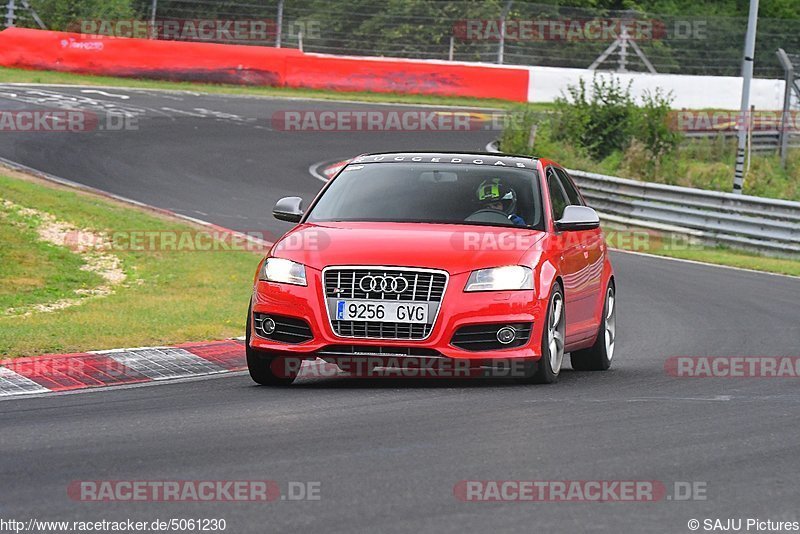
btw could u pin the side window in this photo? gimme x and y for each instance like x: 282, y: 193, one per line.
x: 572, y: 193
x: 558, y: 200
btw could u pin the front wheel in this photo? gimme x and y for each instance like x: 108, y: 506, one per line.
x: 598, y: 356
x: 549, y: 365
x: 262, y: 366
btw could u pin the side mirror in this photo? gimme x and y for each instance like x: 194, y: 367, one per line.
x: 288, y: 209
x: 578, y: 218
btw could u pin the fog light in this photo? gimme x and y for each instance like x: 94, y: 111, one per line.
x: 506, y: 335
x: 268, y: 325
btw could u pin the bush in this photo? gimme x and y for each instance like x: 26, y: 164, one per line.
x: 600, y: 121
x: 651, y: 127
x: 606, y: 120
x: 67, y: 14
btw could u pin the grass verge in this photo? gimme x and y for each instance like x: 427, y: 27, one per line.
x: 168, y: 296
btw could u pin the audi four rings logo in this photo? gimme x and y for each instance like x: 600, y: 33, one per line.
x: 383, y: 284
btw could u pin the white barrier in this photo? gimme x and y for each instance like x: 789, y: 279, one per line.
x: 545, y: 84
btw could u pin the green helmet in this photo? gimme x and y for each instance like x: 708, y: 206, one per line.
x: 493, y: 190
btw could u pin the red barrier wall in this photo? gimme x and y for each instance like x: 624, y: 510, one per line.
x: 253, y: 65
x: 143, y: 58
x: 406, y: 76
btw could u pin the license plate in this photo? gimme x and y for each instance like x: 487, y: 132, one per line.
x: 381, y: 311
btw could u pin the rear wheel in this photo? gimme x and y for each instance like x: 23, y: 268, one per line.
x: 265, y: 368
x: 549, y: 365
x: 598, y: 356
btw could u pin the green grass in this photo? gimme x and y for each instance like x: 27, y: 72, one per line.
x: 659, y: 244
x: 33, y: 271
x: 8, y: 75
x: 168, y: 296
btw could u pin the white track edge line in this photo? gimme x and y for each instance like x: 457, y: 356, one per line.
x: 190, y: 92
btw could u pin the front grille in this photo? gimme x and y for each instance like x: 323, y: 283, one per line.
x: 345, y: 283
x: 287, y: 329
x: 411, y: 285
x: 377, y: 330
x: 369, y: 350
x: 484, y: 336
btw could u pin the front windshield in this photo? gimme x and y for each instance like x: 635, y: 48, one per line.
x: 432, y: 193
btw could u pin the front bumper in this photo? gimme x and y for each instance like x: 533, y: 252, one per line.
x: 458, y: 309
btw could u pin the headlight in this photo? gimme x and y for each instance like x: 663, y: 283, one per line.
x: 283, y: 271
x: 508, y: 278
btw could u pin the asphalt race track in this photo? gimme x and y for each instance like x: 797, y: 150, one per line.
x: 388, y: 453
x: 216, y: 158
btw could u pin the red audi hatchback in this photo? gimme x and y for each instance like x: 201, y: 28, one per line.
x: 475, y: 260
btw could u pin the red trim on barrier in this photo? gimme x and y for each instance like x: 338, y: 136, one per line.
x: 254, y: 65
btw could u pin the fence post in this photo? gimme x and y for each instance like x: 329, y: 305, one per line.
x: 787, y: 100
x: 152, y: 32
x: 747, y: 76
x: 279, y: 29
x: 452, y: 47
x: 502, y: 44
x: 750, y: 125
x: 532, y: 136
x: 33, y: 13
x: 10, y: 14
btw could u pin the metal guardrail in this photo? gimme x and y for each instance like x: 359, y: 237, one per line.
x: 762, y: 141
x: 764, y: 225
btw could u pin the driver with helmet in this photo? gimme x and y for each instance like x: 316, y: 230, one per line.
x: 494, y: 195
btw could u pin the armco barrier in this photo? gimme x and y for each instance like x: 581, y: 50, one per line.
x: 254, y: 65
x: 763, y: 225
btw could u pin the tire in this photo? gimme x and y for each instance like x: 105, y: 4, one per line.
x: 549, y: 365
x: 260, y: 364
x: 598, y: 357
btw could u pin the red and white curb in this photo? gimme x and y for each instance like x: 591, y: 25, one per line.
x: 68, y: 372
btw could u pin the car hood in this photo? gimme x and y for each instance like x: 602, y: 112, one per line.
x: 454, y: 248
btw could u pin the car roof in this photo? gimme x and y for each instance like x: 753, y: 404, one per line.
x: 474, y: 158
